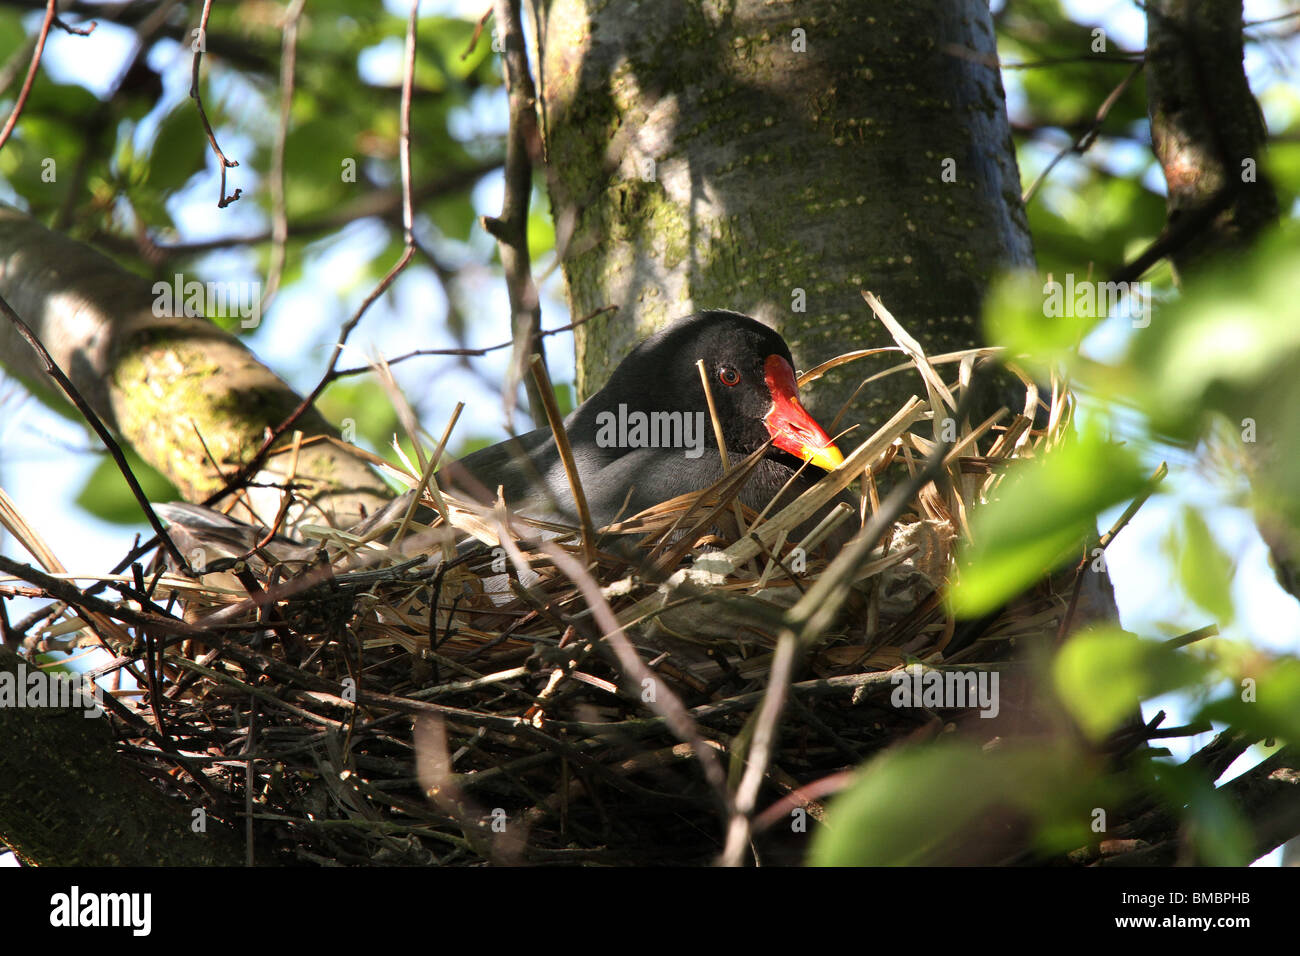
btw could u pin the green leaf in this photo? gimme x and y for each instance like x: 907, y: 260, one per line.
x: 1265, y: 702
x: 70, y: 101
x: 178, y: 149
x: 12, y: 34
x: 541, y: 225
x: 1230, y: 344
x: 453, y: 214
x: 1204, y: 571
x: 364, y: 403
x: 1044, y: 512
x: 1090, y: 226
x: 563, y: 397
x: 1102, y: 675
x: 947, y: 802
x: 1016, y: 316
x: 1283, y: 164
x: 314, y: 154
x: 450, y: 38
x: 107, y: 496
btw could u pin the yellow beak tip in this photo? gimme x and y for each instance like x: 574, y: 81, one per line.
x: 827, y: 458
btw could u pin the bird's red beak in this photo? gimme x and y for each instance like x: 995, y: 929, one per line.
x: 790, y: 426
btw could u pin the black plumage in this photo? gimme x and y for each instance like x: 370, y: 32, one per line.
x: 660, y: 378
x: 624, y: 470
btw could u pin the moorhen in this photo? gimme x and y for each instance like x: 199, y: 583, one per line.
x: 647, y: 435
x: 644, y: 438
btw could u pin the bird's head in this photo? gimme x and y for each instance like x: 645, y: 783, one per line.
x: 751, y: 376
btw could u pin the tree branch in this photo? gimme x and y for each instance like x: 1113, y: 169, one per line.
x: 19, y: 103
x: 510, y: 229
x: 1206, y: 128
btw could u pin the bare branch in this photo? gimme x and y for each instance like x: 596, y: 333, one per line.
x: 105, y: 436
x: 408, y: 216
x: 1084, y: 142
x: 279, y: 215
x: 31, y: 74
x: 478, y: 31
x: 222, y: 161
x: 468, y: 352
x: 510, y: 229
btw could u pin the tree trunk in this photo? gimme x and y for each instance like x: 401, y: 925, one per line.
x: 776, y: 159
x: 1206, y: 128
x: 69, y: 799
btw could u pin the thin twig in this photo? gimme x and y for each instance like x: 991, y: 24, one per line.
x: 1084, y: 142
x: 478, y: 31
x: 510, y: 229
x: 468, y: 352
x: 553, y: 418
x: 993, y: 61
x: 56, y: 373
x: 377, y: 204
x: 76, y: 31
x: 200, y: 42
x: 279, y: 214
x: 31, y: 74
x: 71, y: 595
x: 408, y: 216
x: 404, y: 140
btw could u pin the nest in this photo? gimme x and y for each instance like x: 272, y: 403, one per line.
x: 483, y: 686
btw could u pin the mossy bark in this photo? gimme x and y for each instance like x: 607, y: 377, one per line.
x: 161, y: 380
x: 777, y: 159
x: 1207, y: 130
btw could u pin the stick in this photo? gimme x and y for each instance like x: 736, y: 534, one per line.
x: 566, y: 455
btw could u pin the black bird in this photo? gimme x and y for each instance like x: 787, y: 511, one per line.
x: 647, y: 435
x: 642, y: 439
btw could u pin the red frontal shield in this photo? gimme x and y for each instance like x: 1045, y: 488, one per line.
x: 790, y: 426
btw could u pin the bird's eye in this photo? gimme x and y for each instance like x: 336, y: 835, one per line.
x: 728, y: 376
